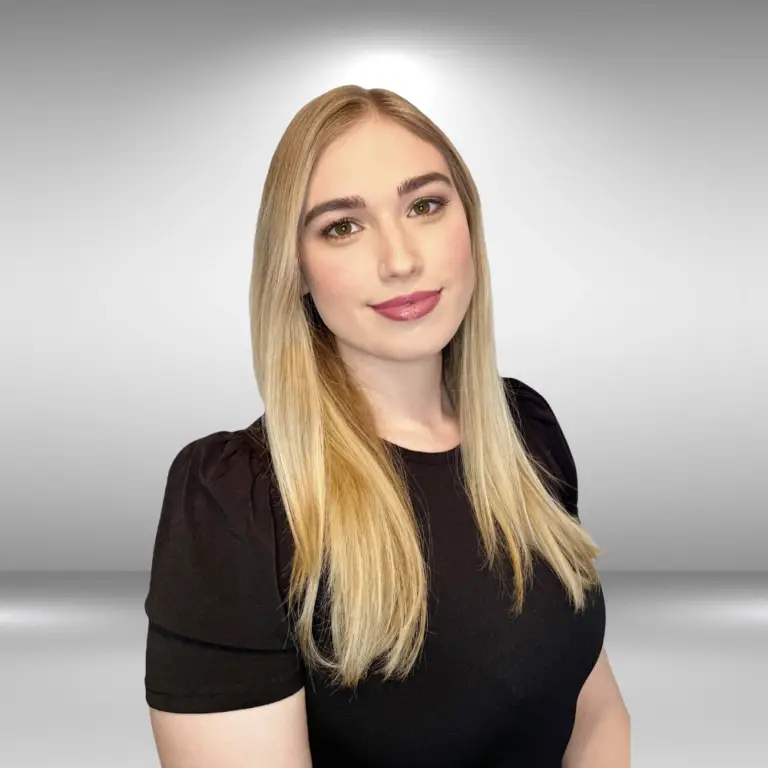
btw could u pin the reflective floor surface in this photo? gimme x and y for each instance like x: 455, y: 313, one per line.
x: 690, y: 652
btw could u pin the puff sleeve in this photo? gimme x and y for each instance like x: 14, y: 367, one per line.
x: 544, y: 438
x: 218, y: 635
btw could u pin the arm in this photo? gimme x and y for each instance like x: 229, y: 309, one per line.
x: 601, y: 731
x: 270, y: 735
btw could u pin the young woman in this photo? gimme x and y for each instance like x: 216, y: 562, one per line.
x: 387, y: 568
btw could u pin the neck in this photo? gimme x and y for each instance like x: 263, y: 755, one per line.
x: 406, y: 397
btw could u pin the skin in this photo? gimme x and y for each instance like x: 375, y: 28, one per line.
x: 394, y: 247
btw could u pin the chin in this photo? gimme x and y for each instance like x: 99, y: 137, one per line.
x: 397, y: 344
x: 406, y: 352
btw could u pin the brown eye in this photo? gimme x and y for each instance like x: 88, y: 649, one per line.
x: 422, y: 205
x: 341, y: 228
x: 336, y: 227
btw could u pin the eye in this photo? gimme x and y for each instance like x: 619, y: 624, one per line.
x: 422, y: 204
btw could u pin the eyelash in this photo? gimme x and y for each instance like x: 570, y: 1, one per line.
x: 326, y: 231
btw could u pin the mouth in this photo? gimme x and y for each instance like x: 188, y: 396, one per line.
x: 406, y: 299
x: 410, y: 307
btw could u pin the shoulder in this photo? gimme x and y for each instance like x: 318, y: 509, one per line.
x: 214, y: 563
x: 529, y: 403
x: 544, y: 437
x: 531, y: 409
x: 232, y: 467
x: 225, y: 455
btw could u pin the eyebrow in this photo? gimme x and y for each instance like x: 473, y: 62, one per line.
x: 355, y: 201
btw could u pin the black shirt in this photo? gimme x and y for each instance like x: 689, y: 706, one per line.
x: 488, y: 690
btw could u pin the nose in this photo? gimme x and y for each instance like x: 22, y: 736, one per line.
x: 400, y: 256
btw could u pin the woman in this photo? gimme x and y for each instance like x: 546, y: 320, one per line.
x: 387, y: 568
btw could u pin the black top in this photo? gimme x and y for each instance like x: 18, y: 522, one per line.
x: 488, y: 690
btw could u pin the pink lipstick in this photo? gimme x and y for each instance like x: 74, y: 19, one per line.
x: 410, y: 306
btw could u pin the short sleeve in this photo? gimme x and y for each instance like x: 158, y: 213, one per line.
x: 218, y: 636
x: 544, y: 438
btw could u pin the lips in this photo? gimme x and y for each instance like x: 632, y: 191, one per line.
x: 411, y: 298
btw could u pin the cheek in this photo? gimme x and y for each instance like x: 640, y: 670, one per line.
x: 458, y: 251
x: 333, y: 284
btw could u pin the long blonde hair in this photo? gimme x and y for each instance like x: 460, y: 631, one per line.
x: 343, y: 490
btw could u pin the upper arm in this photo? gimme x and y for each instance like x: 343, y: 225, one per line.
x: 224, y: 680
x: 601, y: 730
x: 272, y: 734
x: 600, y: 689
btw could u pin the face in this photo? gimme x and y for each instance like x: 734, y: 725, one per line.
x: 353, y: 258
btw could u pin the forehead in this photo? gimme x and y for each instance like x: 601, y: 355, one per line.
x: 371, y: 160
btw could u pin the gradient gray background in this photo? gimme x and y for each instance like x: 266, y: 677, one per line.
x: 620, y: 153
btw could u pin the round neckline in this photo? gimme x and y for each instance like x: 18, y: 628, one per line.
x: 452, y: 455
x: 427, y: 457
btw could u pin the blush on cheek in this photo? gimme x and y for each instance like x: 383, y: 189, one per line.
x: 336, y: 289
x: 458, y: 249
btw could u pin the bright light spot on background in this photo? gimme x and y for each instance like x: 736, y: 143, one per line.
x: 419, y: 77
